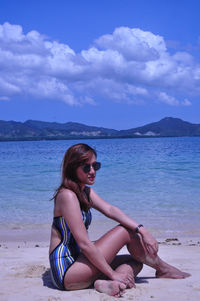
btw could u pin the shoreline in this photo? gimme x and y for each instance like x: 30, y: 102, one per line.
x: 30, y: 234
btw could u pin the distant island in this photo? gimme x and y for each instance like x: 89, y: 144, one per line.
x: 40, y: 130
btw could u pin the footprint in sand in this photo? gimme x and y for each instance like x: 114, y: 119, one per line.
x: 34, y: 271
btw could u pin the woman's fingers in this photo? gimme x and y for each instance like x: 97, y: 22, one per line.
x: 151, y: 250
x: 151, y: 244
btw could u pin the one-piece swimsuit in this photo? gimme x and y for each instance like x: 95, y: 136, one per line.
x: 67, y: 251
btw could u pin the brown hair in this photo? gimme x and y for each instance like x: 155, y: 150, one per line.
x: 75, y: 156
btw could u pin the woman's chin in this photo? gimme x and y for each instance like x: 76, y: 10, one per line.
x: 91, y: 181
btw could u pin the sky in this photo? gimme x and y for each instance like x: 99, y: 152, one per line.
x: 112, y: 63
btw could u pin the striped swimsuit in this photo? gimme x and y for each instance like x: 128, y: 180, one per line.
x: 65, y: 254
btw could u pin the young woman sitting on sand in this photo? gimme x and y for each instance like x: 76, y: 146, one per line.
x: 75, y: 261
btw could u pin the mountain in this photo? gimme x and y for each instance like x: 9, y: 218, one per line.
x: 166, y: 127
x: 39, y: 130
x: 71, y: 128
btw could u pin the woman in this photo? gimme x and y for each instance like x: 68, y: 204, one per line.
x: 76, y: 262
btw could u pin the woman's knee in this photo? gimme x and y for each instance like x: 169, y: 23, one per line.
x: 127, y: 233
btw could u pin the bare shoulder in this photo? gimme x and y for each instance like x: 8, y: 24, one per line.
x: 99, y: 203
x: 93, y: 194
x: 65, y: 193
x: 91, y: 191
x: 94, y: 197
x: 66, y: 197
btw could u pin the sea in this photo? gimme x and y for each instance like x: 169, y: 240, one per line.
x: 156, y: 181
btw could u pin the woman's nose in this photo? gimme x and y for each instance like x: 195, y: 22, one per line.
x: 92, y: 169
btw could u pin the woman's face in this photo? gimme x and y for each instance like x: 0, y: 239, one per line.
x: 89, y: 177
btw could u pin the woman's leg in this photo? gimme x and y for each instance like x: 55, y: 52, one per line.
x: 128, y: 263
x: 82, y: 273
x: 163, y: 270
x: 137, y: 250
x: 122, y: 264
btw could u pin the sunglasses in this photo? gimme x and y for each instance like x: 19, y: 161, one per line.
x: 86, y: 167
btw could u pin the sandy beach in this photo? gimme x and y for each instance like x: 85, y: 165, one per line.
x: 24, y: 273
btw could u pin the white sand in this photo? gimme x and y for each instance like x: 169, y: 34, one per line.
x: 24, y: 275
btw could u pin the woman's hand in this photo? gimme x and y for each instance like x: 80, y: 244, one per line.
x: 150, y: 244
x: 127, y: 278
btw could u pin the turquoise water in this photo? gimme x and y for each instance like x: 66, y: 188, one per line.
x: 154, y: 180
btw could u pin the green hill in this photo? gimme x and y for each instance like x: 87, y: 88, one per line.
x: 39, y: 130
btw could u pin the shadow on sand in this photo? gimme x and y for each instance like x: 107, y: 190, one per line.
x: 46, y: 278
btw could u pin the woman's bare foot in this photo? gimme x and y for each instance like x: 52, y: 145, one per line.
x: 172, y: 272
x: 109, y: 287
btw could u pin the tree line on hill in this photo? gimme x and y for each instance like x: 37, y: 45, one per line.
x: 40, y: 130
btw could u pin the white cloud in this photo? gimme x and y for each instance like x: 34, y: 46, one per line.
x: 186, y: 102
x: 5, y: 98
x: 133, y: 44
x: 128, y: 65
x: 88, y: 100
x: 7, y: 88
x: 170, y: 100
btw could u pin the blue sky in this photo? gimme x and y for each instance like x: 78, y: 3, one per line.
x: 115, y: 63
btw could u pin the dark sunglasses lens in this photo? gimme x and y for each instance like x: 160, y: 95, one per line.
x: 97, y: 165
x: 86, y: 168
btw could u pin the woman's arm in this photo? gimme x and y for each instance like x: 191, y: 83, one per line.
x: 68, y: 204
x: 118, y: 215
x: 112, y: 212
